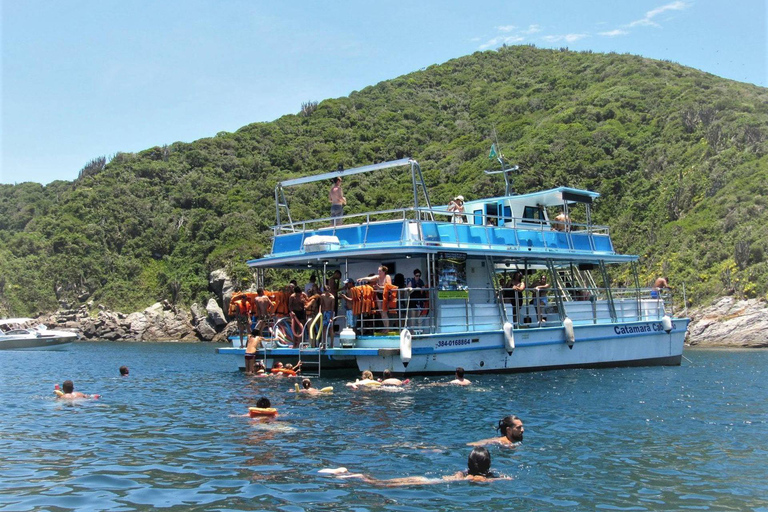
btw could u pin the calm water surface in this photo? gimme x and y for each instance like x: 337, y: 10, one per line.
x: 172, y: 436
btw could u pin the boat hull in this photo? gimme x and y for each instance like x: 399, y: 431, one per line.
x: 595, y: 346
x: 643, y: 343
x: 36, y: 343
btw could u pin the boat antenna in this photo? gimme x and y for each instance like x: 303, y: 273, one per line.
x: 496, y: 154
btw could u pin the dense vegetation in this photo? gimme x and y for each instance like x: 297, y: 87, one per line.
x: 678, y: 155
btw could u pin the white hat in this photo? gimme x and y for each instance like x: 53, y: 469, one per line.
x: 459, y: 198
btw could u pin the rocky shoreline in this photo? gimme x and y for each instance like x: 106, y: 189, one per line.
x: 727, y: 322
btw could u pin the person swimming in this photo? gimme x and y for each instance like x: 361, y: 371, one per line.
x: 367, y: 380
x: 511, y: 430
x: 478, y: 470
x: 68, y: 391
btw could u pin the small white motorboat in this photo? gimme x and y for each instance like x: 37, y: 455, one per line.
x: 25, y: 334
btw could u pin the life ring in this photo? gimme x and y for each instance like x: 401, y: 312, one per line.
x: 255, y: 412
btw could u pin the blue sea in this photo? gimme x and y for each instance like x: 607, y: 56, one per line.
x: 174, y: 436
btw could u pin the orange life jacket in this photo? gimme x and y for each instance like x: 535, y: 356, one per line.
x: 389, y: 301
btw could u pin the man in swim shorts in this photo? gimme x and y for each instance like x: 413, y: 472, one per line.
x: 254, y: 341
x: 327, y: 305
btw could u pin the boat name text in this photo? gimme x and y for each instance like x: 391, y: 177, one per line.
x: 639, y: 329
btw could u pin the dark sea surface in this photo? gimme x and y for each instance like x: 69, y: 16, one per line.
x: 172, y: 436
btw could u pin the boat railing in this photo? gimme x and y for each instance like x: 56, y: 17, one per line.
x: 430, y: 227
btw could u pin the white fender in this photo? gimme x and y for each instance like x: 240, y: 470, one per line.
x: 405, y: 346
x: 666, y: 323
x: 509, y: 338
x: 570, y: 336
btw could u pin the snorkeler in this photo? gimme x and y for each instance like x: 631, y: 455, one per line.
x: 478, y: 470
x: 511, y: 430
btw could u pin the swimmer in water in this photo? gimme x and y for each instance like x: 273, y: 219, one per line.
x: 460, y: 380
x: 391, y: 381
x: 478, y: 470
x: 68, y: 391
x: 307, y: 389
x: 366, y: 381
x: 511, y: 430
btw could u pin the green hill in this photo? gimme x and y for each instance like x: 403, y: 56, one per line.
x: 678, y: 155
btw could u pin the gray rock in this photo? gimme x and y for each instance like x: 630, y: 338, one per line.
x: 218, y: 280
x: 205, y: 330
x: 198, y: 313
x: 215, y: 314
x: 730, y: 322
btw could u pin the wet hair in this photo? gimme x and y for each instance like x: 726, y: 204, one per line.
x: 337, y: 179
x: 460, y: 372
x: 479, y: 462
x: 254, y: 332
x: 263, y: 403
x: 306, y: 383
x: 296, y: 289
x: 367, y: 375
x: 387, y: 373
x: 260, y: 291
x: 123, y: 370
x: 68, y: 386
x: 505, y: 423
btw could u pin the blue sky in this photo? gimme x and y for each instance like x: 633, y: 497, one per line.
x: 86, y: 78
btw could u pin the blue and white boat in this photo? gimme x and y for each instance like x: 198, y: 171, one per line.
x: 467, y: 316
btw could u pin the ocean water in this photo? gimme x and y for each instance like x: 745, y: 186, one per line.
x: 173, y: 436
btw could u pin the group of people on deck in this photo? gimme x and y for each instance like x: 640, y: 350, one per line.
x: 374, y: 296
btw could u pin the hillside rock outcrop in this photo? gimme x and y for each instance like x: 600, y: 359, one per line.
x: 730, y: 322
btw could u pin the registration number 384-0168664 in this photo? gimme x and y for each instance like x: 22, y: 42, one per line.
x: 453, y: 343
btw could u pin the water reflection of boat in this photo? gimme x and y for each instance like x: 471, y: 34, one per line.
x: 26, y: 334
x: 468, y: 316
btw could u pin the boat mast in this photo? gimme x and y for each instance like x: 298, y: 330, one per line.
x: 496, y: 153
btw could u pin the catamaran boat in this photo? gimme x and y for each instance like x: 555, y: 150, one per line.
x: 468, y: 314
x: 26, y: 334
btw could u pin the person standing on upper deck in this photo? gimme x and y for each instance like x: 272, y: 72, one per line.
x: 457, y: 207
x: 336, y: 196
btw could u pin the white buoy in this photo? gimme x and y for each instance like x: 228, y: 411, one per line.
x: 570, y: 336
x: 405, y: 346
x: 666, y: 323
x: 509, y: 338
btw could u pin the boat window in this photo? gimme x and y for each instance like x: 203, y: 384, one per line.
x: 507, y: 214
x: 478, y: 217
x: 533, y: 214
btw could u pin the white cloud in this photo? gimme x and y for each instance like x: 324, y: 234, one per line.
x: 532, y: 29
x: 496, y: 41
x: 648, y: 19
x: 614, y: 33
x: 569, y: 38
x: 506, y: 28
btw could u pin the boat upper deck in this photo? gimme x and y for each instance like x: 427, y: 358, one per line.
x: 509, y: 226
